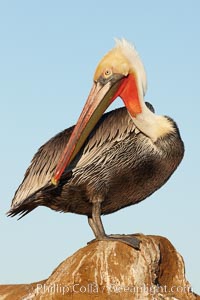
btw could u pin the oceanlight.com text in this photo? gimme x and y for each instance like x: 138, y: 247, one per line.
x: 94, y: 288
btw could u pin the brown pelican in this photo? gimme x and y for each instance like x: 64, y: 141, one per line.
x: 108, y: 162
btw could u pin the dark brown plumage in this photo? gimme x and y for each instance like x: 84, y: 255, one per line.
x: 118, y: 163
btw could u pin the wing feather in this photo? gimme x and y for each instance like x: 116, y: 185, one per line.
x: 42, y: 166
x: 112, y: 128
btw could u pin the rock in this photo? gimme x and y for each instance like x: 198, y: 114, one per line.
x: 113, y: 270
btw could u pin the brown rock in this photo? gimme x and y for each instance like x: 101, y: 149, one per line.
x: 113, y: 270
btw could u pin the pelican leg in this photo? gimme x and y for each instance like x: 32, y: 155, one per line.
x: 95, y: 221
x: 99, y: 232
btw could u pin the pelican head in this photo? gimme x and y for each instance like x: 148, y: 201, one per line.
x: 123, y: 65
x: 119, y: 73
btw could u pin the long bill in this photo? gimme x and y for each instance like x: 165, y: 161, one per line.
x: 100, y: 97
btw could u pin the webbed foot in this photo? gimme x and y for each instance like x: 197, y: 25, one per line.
x: 130, y: 240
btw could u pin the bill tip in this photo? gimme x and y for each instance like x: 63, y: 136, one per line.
x: 54, y: 181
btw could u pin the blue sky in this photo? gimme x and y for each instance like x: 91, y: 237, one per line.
x: 49, y: 51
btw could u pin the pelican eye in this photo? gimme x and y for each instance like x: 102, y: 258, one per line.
x: 107, y: 73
